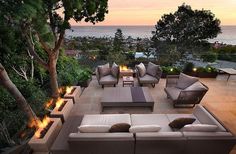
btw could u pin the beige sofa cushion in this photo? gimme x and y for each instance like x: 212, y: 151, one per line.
x: 108, y: 79
x: 205, y: 117
x: 199, y: 128
x: 115, y: 70
x: 152, y: 69
x: 151, y: 119
x: 105, y: 119
x: 141, y: 69
x: 104, y: 70
x: 144, y: 128
x: 173, y: 92
x: 101, y: 136
x: 206, y: 134
x: 185, y: 81
x: 148, y: 79
x: 159, y: 135
x: 94, y: 128
x: 196, y: 86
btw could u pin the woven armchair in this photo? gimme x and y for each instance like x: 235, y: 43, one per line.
x: 183, y: 97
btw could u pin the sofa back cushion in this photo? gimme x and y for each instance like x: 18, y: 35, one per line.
x: 206, y: 118
x: 185, y: 81
x: 199, y: 128
x: 104, y: 70
x: 141, y: 69
x: 115, y: 70
x: 197, y: 86
x: 119, y: 127
x: 152, y: 69
x: 144, y: 128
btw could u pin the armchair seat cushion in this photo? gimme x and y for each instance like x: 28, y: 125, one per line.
x: 109, y: 79
x: 173, y: 92
x: 148, y: 79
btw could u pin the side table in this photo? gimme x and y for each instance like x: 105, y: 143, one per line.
x: 128, y: 80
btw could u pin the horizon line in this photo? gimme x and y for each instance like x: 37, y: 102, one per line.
x: 122, y: 25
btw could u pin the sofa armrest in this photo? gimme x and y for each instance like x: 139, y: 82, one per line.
x: 97, y: 75
x: 159, y: 73
x: 191, y: 96
x: 171, y: 80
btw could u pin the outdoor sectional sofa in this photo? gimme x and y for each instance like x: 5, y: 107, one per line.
x: 164, y: 141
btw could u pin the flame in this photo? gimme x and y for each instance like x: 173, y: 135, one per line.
x: 68, y: 90
x: 49, y: 103
x: 59, y: 103
x: 61, y: 90
x: 41, y: 125
x: 123, y: 68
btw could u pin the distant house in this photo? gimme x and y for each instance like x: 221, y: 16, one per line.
x: 72, y: 53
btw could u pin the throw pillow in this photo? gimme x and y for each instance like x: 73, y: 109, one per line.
x: 200, y: 128
x: 152, y: 69
x: 185, y: 81
x: 120, y: 127
x: 144, y: 128
x: 94, y: 128
x: 115, y: 70
x: 104, y: 70
x: 141, y: 69
x: 196, y: 86
x: 181, y: 122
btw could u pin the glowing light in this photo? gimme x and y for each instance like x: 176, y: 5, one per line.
x: 59, y: 103
x: 124, y: 68
x: 171, y: 69
x: 68, y: 90
x: 194, y: 69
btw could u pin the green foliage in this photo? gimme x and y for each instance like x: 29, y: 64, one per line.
x: 226, y: 53
x: 207, y: 69
x: 188, y: 30
x: 84, y: 75
x: 187, y: 25
x: 118, y: 43
x: 68, y: 71
x: 170, y: 70
x: 209, y: 56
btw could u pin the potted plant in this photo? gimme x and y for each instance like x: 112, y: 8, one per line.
x: 169, y: 71
x: 206, y: 72
x: 84, y: 78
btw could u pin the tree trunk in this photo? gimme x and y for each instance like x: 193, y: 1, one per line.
x: 53, y: 76
x: 6, y: 82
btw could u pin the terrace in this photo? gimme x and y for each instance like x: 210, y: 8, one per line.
x: 220, y: 100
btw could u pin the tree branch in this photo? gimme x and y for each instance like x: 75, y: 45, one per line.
x: 33, y: 52
x: 22, y: 73
x: 59, y: 42
x: 44, y: 45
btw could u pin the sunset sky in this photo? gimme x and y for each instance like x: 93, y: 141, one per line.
x: 148, y: 12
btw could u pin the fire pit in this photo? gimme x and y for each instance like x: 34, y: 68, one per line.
x: 45, y: 135
x: 72, y: 92
x: 125, y: 71
x: 62, y: 109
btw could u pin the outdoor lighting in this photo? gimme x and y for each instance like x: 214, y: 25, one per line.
x: 171, y: 69
x: 123, y: 68
x: 194, y: 69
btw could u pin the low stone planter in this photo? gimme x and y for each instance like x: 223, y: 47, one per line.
x: 44, y: 144
x: 63, y: 111
x: 207, y: 75
x: 76, y: 91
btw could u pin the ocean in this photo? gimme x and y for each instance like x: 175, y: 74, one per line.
x: 228, y: 35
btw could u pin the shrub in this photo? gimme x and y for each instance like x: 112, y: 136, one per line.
x: 188, y: 67
x: 209, y: 57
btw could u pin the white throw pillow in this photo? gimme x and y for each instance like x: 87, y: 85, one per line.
x: 144, y: 128
x: 200, y: 128
x: 94, y: 128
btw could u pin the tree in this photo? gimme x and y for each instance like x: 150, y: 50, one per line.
x: 6, y: 82
x: 117, y: 53
x: 41, y: 20
x: 187, y: 29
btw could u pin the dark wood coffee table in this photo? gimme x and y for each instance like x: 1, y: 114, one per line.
x: 127, y: 97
